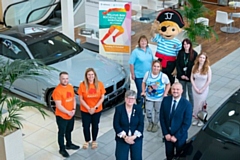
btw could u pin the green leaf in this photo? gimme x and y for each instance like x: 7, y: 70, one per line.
x: 9, y: 73
x: 193, y: 10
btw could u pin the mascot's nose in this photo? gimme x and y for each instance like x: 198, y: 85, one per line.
x: 163, y: 29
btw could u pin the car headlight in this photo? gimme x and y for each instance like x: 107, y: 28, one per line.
x: 122, y: 69
x: 75, y: 90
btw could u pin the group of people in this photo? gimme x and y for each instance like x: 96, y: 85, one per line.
x: 194, y: 73
x: 173, y: 111
x: 128, y: 123
x: 154, y: 82
x: 91, y: 95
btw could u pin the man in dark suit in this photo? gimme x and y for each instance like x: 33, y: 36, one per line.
x: 175, y: 120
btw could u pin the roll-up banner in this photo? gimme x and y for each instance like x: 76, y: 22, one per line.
x: 115, y: 30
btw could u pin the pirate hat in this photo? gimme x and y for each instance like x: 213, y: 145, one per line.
x: 171, y: 15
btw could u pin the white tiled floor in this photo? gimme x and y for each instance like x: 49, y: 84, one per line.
x: 40, y: 135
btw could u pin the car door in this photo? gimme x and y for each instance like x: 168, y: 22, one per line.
x: 10, y: 50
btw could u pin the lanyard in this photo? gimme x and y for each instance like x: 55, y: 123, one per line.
x: 185, y: 59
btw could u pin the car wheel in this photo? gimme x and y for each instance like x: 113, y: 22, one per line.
x: 50, y: 102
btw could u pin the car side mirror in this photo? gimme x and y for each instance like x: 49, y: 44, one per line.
x: 202, y: 115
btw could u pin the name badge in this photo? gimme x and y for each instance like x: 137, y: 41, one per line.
x: 185, y: 69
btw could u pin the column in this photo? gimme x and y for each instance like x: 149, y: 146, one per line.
x: 67, y: 18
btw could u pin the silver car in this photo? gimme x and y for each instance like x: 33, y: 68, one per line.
x: 58, y: 51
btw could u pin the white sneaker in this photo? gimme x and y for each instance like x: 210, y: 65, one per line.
x: 200, y: 124
x: 195, y: 122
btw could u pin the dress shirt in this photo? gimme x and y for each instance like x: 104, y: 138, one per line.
x: 177, y: 100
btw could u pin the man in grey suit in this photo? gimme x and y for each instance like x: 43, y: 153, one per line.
x: 175, y: 120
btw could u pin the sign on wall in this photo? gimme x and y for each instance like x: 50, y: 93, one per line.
x: 115, y: 30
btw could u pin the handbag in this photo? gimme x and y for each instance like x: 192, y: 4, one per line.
x: 204, y: 107
x: 202, y: 114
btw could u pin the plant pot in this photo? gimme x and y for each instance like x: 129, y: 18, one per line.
x: 12, y: 146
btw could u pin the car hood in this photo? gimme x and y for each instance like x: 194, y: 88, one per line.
x: 207, y: 147
x: 106, y: 69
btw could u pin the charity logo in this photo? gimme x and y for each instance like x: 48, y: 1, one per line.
x: 92, y: 91
x: 69, y: 95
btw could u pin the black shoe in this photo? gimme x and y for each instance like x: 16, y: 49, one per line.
x: 72, y: 146
x: 64, y: 153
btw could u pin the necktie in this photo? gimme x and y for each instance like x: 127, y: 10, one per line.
x: 172, y: 110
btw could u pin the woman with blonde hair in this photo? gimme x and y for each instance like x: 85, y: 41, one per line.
x: 91, y: 95
x: 200, y: 78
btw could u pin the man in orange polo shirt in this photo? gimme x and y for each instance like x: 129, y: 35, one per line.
x: 64, y: 98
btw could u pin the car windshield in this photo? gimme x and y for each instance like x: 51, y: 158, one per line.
x: 54, y: 49
x: 226, y: 123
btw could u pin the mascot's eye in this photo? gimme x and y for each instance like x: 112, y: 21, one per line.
x: 163, y: 29
x: 173, y: 29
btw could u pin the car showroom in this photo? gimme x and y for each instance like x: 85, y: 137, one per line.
x: 41, y: 40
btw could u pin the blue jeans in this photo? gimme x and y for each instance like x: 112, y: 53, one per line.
x: 187, y: 87
x: 138, y: 82
x: 87, y: 120
x: 153, y: 107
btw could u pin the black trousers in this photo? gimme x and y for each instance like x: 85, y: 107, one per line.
x: 170, y: 147
x: 87, y: 120
x: 65, y: 128
x: 168, y: 70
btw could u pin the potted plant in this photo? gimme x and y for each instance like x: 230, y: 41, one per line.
x: 190, y: 12
x: 10, y: 106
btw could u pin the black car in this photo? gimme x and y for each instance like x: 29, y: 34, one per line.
x: 219, y: 139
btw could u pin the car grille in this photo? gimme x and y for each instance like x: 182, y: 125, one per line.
x: 109, y: 90
x: 120, y: 83
x: 118, y: 99
x: 115, y: 94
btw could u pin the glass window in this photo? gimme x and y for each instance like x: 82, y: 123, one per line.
x: 226, y: 122
x: 54, y: 49
x: 12, y: 50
